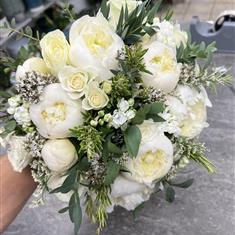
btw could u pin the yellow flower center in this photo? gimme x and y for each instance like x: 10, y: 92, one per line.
x: 165, y: 60
x: 97, y: 41
x: 55, y: 113
x: 77, y: 81
x: 152, y: 162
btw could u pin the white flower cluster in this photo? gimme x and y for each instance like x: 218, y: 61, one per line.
x: 123, y: 114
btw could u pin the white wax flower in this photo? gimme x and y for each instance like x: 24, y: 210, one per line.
x: 14, y: 101
x: 95, y: 98
x: 32, y: 64
x: 189, y: 108
x: 128, y: 194
x: 118, y: 119
x: 56, y: 113
x: 95, y: 43
x: 155, y: 156
x: 21, y: 115
x: 161, y: 61
x: 55, y: 50
x: 74, y: 81
x: 117, y: 5
x: 123, y: 105
x: 59, y: 155
x: 17, y: 154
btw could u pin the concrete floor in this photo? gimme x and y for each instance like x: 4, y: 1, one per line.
x: 205, y: 9
x: 207, y: 208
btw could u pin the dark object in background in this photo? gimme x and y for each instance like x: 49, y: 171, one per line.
x: 13, y: 8
x: 33, y: 4
x: 222, y: 31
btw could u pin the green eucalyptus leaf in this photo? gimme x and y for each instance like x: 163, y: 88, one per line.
x: 132, y: 138
x: 111, y: 172
x: 4, y: 94
x: 185, y: 184
x: 138, y: 209
x: 61, y: 211
x: 10, y: 126
x: 170, y: 194
x: 112, y: 148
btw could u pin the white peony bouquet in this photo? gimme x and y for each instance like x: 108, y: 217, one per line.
x: 109, y: 116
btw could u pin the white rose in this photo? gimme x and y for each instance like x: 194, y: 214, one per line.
x: 56, y: 113
x: 95, y: 98
x: 128, y: 194
x: 32, y: 64
x: 74, y: 81
x: 94, y: 43
x: 59, y: 155
x: 55, y: 50
x: 189, y: 108
x: 17, y: 154
x: 116, y: 6
x: 155, y: 156
x: 161, y: 61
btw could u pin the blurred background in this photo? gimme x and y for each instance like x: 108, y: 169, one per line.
x: 208, y: 207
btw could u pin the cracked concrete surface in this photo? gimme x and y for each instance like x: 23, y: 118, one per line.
x: 206, y: 208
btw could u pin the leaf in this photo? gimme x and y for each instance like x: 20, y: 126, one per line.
x: 83, y: 164
x: 4, y: 94
x: 13, y: 23
x: 10, y: 126
x: 28, y: 31
x: 185, y: 184
x: 68, y: 183
x: 111, y: 173
x: 61, y: 211
x: 132, y: 138
x: 156, y: 108
x: 138, y: 209
x: 77, y: 214
x: 152, y: 13
x: 105, y: 8
x: 112, y: 148
x: 170, y: 194
x: 141, y: 114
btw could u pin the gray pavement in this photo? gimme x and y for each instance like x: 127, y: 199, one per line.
x: 206, y: 208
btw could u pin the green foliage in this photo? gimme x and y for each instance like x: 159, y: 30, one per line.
x: 69, y: 11
x: 169, y: 194
x: 90, y: 140
x: 105, y: 9
x: 148, y: 111
x: 132, y: 26
x: 185, y: 184
x: 112, y: 171
x: 194, y: 51
x: 138, y: 209
x: 193, y: 151
x: 132, y: 137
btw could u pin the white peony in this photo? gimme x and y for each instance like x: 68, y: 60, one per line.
x: 74, y: 81
x: 32, y: 64
x: 95, y: 98
x: 155, y: 156
x: 94, y: 43
x: 188, y: 106
x: 116, y: 7
x: 56, y: 113
x: 59, y: 155
x: 17, y: 154
x: 161, y: 61
x: 128, y: 194
x: 55, y: 50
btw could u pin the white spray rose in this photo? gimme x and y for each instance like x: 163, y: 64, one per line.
x: 32, y: 64
x: 161, y: 61
x: 189, y: 109
x: 95, y: 43
x: 116, y: 7
x: 59, y: 155
x: 155, y: 156
x: 74, y: 81
x: 55, y: 50
x: 95, y: 98
x: 17, y: 154
x: 128, y: 194
x: 56, y: 113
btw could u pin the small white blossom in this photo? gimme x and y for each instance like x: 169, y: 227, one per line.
x: 14, y: 101
x: 22, y: 115
x: 123, y: 105
x: 130, y: 114
x: 11, y: 110
x: 118, y: 119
